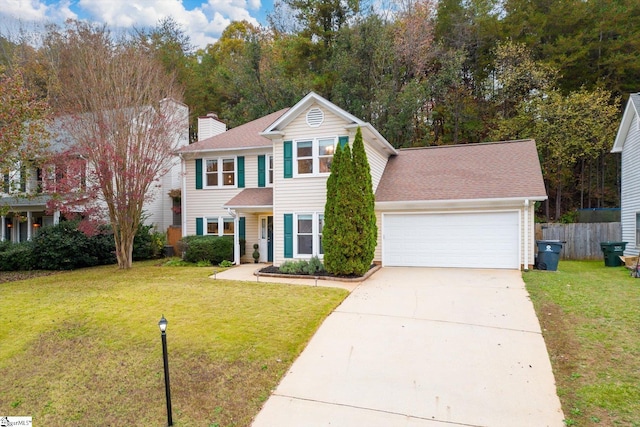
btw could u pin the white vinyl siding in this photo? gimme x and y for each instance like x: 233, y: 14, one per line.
x: 630, y: 188
x: 208, y: 202
x: 377, y: 163
x: 301, y: 193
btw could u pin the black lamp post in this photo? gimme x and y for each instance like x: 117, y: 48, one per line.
x: 163, y: 328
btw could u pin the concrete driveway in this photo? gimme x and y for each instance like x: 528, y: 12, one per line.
x: 423, y: 347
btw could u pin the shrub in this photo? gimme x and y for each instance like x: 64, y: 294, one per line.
x: 214, y: 249
x: 16, y: 257
x: 315, y: 266
x: 294, y: 267
x: 147, y: 243
x: 311, y: 267
x: 64, y: 247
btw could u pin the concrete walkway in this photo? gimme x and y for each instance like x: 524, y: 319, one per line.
x: 416, y: 347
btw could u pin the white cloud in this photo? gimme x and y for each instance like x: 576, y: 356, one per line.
x: 203, y: 22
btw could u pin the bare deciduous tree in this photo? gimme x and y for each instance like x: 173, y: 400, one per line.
x: 122, y: 120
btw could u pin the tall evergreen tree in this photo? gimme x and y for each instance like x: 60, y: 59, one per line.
x: 364, y: 216
x: 330, y: 232
x: 350, y: 232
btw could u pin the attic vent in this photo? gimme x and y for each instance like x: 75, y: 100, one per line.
x: 315, y: 117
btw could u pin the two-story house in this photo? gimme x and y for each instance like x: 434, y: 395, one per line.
x: 24, y: 197
x: 453, y: 206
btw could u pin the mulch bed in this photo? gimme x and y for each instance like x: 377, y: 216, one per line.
x: 275, y: 270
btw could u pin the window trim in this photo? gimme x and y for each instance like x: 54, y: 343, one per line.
x: 220, y: 172
x: 315, y: 156
x: 268, y: 170
x: 219, y: 221
x: 316, y: 235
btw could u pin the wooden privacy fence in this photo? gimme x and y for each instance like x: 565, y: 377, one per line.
x: 582, y: 240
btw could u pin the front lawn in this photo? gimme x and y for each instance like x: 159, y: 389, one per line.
x: 83, y: 348
x: 590, y: 315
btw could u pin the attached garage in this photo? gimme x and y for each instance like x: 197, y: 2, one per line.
x: 469, y: 240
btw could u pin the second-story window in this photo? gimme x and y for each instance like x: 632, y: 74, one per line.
x: 314, y: 157
x: 220, y: 172
x: 304, y: 153
x: 212, y: 173
x: 269, y: 169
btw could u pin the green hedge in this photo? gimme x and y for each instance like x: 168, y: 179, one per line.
x: 214, y: 249
x: 64, y: 247
x: 16, y: 257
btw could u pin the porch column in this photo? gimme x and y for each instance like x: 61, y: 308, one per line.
x: 29, y: 224
x: 3, y: 228
x: 236, y: 239
x: 56, y: 217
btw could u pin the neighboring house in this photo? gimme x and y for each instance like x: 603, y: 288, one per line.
x: 23, y: 194
x: 627, y: 143
x: 453, y: 206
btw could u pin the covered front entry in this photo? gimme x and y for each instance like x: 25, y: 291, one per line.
x: 470, y: 240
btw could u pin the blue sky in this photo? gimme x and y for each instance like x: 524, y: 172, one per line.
x: 202, y: 20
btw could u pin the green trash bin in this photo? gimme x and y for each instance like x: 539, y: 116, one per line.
x: 548, y: 254
x: 612, y: 252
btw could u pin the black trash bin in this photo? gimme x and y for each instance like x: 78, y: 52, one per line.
x: 612, y: 252
x: 548, y: 254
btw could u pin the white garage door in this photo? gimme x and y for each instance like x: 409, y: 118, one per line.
x: 471, y: 240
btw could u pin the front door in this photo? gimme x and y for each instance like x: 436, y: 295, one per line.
x: 266, y: 238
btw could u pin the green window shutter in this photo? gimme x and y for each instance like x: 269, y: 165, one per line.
x: 240, y: 171
x: 199, y: 226
x: 288, y: 159
x: 198, y: 174
x: 288, y: 235
x: 242, y: 228
x: 261, y: 170
x: 343, y: 140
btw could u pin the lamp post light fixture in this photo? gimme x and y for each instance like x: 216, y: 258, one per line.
x: 162, y: 324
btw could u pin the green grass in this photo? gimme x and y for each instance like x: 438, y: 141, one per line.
x: 590, y: 315
x: 83, y: 348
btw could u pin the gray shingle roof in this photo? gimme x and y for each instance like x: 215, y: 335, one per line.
x: 508, y: 169
x: 252, y: 197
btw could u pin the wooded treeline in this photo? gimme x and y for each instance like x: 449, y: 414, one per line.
x: 423, y: 73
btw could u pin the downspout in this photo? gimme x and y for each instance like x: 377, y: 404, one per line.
x: 236, y: 236
x: 183, y: 196
x: 526, y: 235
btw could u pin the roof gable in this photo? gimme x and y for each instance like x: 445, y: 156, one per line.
x: 631, y: 111
x: 497, y: 170
x: 276, y: 129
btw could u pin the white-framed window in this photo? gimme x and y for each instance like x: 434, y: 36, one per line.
x: 308, y: 234
x: 314, y: 156
x: 228, y: 227
x: 212, y: 226
x: 269, y: 177
x: 220, y: 226
x: 220, y: 172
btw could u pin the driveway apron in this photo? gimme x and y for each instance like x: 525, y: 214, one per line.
x: 423, y: 347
